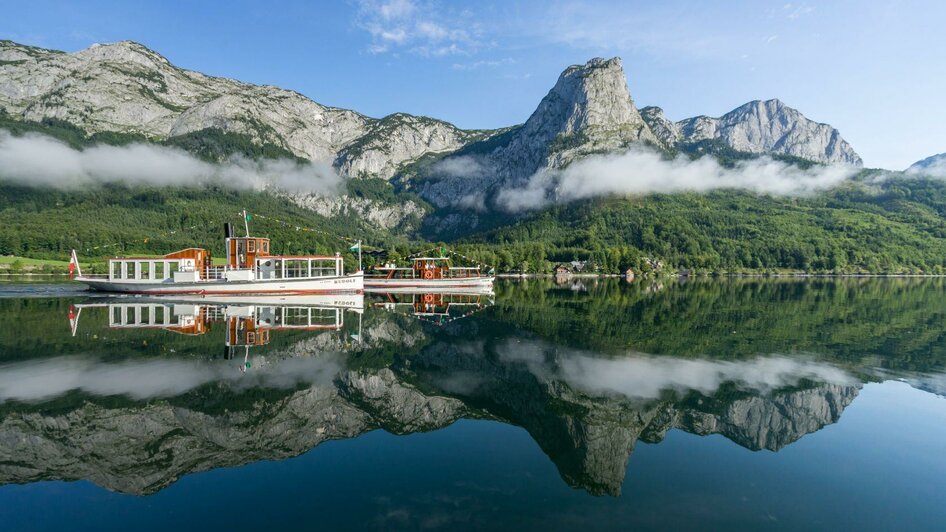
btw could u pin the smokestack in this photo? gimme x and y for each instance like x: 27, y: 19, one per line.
x: 228, y: 230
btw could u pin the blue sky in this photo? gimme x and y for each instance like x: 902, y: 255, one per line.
x: 874, y: 70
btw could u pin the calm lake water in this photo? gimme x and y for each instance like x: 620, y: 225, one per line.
x: 592, y: 404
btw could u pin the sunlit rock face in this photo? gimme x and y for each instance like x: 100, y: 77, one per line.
x: 126, y: 87
x: 758, y: 127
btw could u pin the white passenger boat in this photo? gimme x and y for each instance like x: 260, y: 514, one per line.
x: 427, y: 274
x: 250, y: 269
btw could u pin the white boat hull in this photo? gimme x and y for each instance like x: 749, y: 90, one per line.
x: 322, y: 285
x: 380, y: 284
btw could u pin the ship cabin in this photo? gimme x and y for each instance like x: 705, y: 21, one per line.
x: 176, y: 266
x: 188, y: 320
x: 429, y: 268
x: 248, y: 259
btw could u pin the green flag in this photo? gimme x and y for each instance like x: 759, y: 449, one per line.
x: 249, y: 217
x: 356, y: 247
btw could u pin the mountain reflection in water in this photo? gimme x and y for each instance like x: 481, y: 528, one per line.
x: 135, y: 394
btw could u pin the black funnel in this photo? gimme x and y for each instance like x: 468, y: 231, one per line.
x: 228, y: 230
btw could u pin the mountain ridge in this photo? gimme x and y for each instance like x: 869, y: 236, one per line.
x: 759, y: 127
x: 126, y: 87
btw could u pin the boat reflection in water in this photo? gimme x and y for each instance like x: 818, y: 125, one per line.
x: 436, y: 307
x: 248, y: 321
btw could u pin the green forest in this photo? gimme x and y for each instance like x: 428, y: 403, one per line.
x: 897, y: 225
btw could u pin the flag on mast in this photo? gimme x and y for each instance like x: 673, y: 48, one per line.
x: 356, y: 247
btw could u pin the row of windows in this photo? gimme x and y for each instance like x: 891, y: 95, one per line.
x: 143, y: 270
x: 251, y: 246
x: 298, y: 268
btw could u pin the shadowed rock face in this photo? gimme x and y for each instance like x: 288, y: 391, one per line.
x: 142, y: 448
x: 591, y: 437
x: 130, y: 440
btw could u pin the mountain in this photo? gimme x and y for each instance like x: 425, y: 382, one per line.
x: 758, y: 127
x: 413, y: 177
x: 933, y: 166
x: 125, y: 87
x: 589, y: 110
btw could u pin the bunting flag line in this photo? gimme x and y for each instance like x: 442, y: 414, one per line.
x: 147, y: 239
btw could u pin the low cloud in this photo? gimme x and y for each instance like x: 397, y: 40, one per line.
x: 934, y: 168
x: 145, y: 379
x: 41, y: 161
x: 641, y: 171
x: 643, y: 376
x: 460, y: 166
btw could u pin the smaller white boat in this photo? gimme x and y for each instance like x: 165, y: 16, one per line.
x: 427, y: 274
x: 249, y: 270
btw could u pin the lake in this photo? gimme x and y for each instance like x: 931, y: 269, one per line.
x: 588, y: 403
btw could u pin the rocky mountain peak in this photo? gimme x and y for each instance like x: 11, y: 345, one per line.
x: 588, y: 110
x: 589, y: 97
x: 759, y: 126
x: 124, y: 51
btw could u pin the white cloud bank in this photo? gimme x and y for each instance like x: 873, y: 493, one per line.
x: 641, y: 171
x: 643, y: 376
x: 41, y: 161
x: 38, y: 380
x: 935, y: 167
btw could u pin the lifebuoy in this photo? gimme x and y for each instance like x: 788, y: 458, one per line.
x: 428, y: 298
x: 428, y: 274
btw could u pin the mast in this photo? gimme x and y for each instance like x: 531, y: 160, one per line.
x: 246, y: 224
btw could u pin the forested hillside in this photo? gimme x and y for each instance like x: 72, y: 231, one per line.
x: 897, y: 225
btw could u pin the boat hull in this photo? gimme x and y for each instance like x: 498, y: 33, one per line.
x: 378, y: 284
x: 322, y: 285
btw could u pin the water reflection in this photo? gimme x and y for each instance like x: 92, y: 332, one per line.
x: 587, y: 373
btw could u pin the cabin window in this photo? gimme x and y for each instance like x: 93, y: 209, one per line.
x: 251, y: 246
x: 296, y: 316
x: 264, y: 245
x: 323, y: 268
x: 173, y: 266
x: 297, y: 268
x: 116, y: 315
x: 145, y: 315
x: 146, y: 270
x: 130, y: 316
x: 159, y: 315
x: 159, y: 270
x: 116, y: 269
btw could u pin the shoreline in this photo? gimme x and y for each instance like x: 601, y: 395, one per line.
x: 722, y: 275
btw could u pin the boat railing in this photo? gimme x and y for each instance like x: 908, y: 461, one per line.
x: 212, y: 273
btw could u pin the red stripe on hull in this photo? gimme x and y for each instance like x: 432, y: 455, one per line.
x: 231, y: 293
